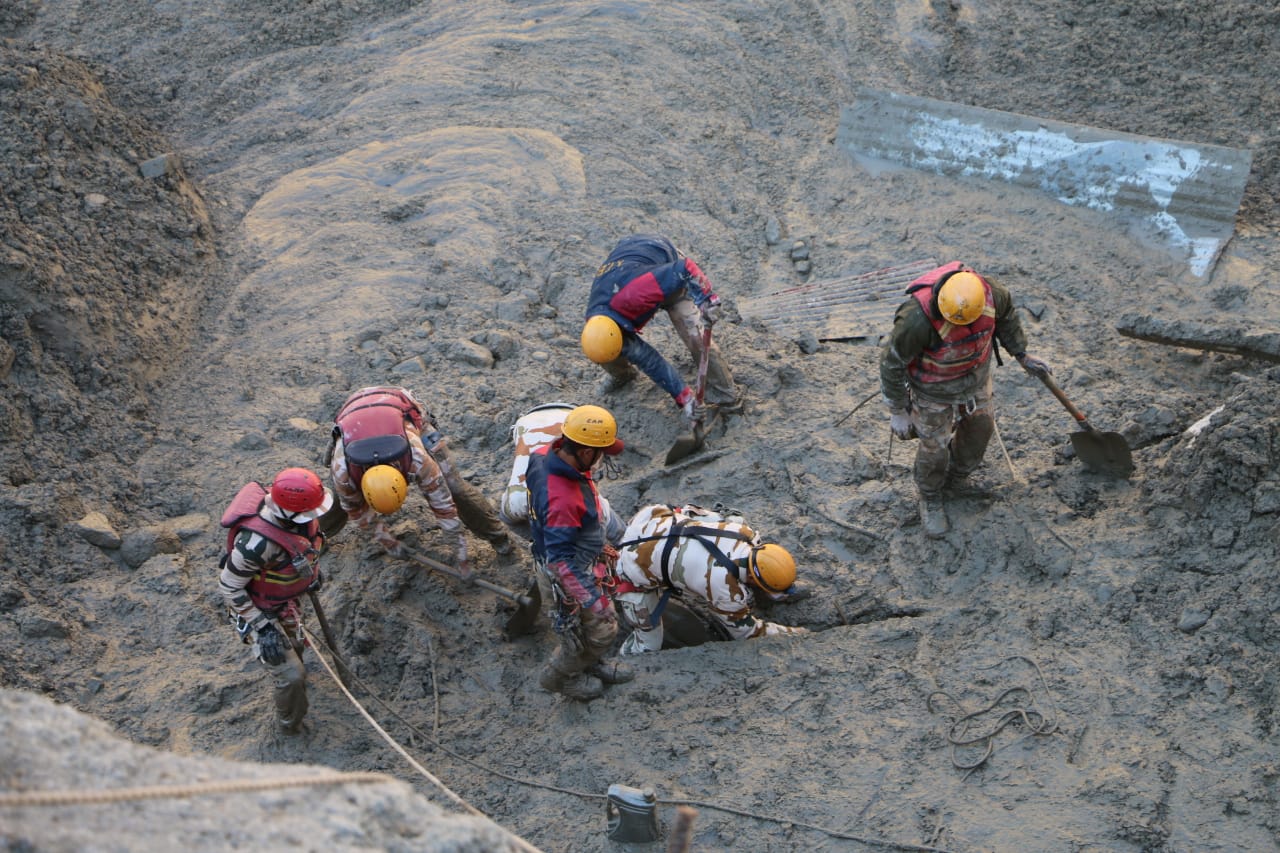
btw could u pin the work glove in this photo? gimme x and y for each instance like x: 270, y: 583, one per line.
x: 900, y: 424
x: 386, y: 539
x: 693, y: 411
x: 711, y: 310
x: 270, y: 645
x: 1034, y: 366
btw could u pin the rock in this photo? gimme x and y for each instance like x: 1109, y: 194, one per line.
x: 156, y: 167
x: 95, y: 529
x: 143, y: 543
x: 1193, y: 620
x: 469, y: 352
x: 93, y: 202
x: 772, y: 231
x: 410, y: 367
x: 303, y: 424
x: 799, y: 251
x: 252, y: 440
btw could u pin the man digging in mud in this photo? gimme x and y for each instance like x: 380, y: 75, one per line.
x: 698, y: 551
x: 379, y: 448
x: 935, y: 374
x: 643, y: 273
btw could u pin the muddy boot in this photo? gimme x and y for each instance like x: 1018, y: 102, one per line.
x: 580, y: 686
x: 616, y: 382
x: 612, y: 672
x: 933, y: 517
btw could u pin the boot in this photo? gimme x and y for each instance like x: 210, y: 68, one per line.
x: 933, y: 517
x: 582, y: 687
x: 612, y: 671
x: 612, y: 383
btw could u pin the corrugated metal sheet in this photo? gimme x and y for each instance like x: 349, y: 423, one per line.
x: 1182, y: 193
x: 856, y: 306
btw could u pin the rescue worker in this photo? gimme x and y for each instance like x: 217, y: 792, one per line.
x: 537, y: 427
x: 670, y: 550
x: 384, y: 439
x: 271, y: 558
x: 935, y: 374
x: 571, y: 555
x: 643, y: 273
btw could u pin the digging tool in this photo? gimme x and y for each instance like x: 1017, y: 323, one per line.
x: 1106, y: 452
x: 329, y: 639
x: 688, y: 444
x: 436, y: 565
x: 526, y: 616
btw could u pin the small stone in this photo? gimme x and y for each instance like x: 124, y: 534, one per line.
x: 803, y: 267
x: 157, y: 167
x: 95, y: 529
x: 772, y: 231
x: 93, y: 202
x: 1192, y: 620
x: 799, y: 251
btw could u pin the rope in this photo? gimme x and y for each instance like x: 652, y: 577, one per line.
x: 587, y: 795
x: 457, y: 800
x: 158, y: 792
x: 1036, y: 722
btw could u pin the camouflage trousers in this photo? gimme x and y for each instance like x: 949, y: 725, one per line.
x: 953, y: 439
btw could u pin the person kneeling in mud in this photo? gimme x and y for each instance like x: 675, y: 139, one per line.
x: 675, y: 550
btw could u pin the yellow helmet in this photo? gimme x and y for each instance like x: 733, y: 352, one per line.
x: 601, y: 339
x: 384, y: 488
x: 592, y: 426
x: 962, y: 298
x: 772, y: 568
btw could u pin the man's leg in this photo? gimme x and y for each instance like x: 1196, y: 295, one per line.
x: 476, y: 511
x: 290, y: 681
x: 637, y: 609
x: 934, y: 425
x: 721, y: 389
x: 969, y: 444
x: 621, y: 374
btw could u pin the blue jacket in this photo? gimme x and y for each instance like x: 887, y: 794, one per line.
x: 643, y: 273
x: 565, y: 519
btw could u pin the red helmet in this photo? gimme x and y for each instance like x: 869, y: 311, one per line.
x: 299, y: 494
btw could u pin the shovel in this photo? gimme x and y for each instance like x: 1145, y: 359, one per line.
x: 688, y: 444
x: 436, y: 565
x: 1105, y: 452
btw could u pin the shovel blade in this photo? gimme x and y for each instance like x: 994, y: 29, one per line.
x: 525, y: 619
x: 1105, y: 452
x: 686, y: 445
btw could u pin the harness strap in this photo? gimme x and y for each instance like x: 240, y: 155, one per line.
x: 693, y: 531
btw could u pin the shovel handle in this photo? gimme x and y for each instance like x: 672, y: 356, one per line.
x: 1062, y: 398
x: 443, y: 568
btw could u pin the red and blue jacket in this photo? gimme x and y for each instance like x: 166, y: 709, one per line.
x: 566, y: 522
x: 642, y: 273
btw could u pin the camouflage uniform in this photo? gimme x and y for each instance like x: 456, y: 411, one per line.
x: 690, y: 567
x: 954, y: 419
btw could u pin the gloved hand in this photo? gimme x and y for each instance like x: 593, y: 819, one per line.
x: 270, y: 645
x: 1034, y: 366
x: 386, y: 539
x: 693, y: 411
x: 317, y: 582
x: 711, y: 310
x: 900, y: 424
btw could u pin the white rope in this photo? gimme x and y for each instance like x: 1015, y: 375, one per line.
x: 457, y: 800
